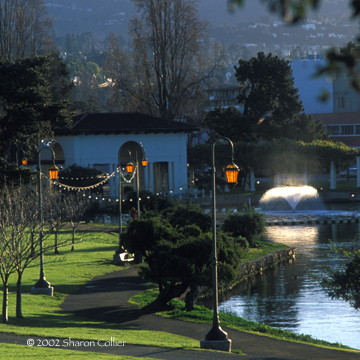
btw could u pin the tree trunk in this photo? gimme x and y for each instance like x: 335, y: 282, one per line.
x: 32, y: 244
x: 169, y: 292
x: 18, y: 296
x: 5, y: 315
x: 73, y: 239
x: 191, y: 297
x: 56, y: 251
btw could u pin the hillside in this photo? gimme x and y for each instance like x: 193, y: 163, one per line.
x: 103, y: 17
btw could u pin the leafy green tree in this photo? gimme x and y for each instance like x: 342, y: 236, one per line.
x: 34, y: 99
x: 305, y: 128
x: 82, y: 106
x: 150, y: 203
x: 248, y: 223
x: 228, y: 122
x: 182, y: 215
x: 345, y: 283
x: 267, y: 87
x: 179, y: 256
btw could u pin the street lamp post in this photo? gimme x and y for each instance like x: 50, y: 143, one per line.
x: 217, y: 338
x: 42, y: 286
x: 144, y: 163
x: 129, y: 168
x: 23, y: 161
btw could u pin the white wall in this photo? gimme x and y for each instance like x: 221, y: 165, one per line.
x: 85, y: 150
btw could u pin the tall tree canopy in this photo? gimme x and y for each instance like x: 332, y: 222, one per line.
x: 169, y: 60
x: 34, y: 96
x: 267, y: 87
x: 25, y: 28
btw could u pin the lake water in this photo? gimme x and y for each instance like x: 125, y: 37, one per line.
x: 289, y: 298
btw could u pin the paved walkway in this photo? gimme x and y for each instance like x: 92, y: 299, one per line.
x: 105, y: 299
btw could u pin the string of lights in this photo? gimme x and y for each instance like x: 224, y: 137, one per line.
x: 102, y: 182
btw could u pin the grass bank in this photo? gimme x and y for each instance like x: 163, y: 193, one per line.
x: 203, y: 315
x: 67, y: 272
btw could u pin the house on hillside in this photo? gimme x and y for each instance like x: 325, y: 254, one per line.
x: 223, y: 96
x: 105, y: 140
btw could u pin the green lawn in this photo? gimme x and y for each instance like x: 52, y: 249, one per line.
x: 71, y: 270
x: 67, y: 272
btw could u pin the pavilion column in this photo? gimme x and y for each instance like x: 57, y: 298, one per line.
x: 111, y: 180
x: 172, y: 176
x: 305, y: 178
x: 252, y: 180
x: 332, y: 176
x: 277, y: 180
x: 151, y: 177
x: 116, y: 176
x: 358, y: 171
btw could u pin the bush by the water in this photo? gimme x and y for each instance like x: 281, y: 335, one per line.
x: 248, y: 223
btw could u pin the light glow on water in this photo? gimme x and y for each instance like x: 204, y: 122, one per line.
x: 289, y: 298
x: 291, y: 198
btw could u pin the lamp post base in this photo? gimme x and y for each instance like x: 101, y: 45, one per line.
x: 44, y: 291
x: 221, y: 345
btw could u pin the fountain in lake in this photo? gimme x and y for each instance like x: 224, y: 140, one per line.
x: 291, y: 198
x: 300, y: 204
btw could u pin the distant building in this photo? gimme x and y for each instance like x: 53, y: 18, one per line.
x: 341, y: 113
x: 346, y: 99
x: 223, y: 96
x: 310, y: 88
x: 105, y: 139
x: 344, y: 127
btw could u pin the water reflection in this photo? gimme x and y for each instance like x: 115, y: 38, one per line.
x: 289, y: 298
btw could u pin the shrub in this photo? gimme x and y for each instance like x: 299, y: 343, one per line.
x: 248, y: 223
x: 181, y: 215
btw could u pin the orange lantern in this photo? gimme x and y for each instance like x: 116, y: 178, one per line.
x: 53, y: 172
x: 144, y: 162
x: 232, y: 172
x: 24, y: 161
x: 129, y: 167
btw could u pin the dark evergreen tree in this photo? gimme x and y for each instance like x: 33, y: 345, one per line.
x: 34, y: 100
x: 178, y: 256
x: 269, y: 105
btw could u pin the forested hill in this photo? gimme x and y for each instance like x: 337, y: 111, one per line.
x: 105, y: 16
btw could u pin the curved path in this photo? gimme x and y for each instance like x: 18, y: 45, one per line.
x: 105, y: 298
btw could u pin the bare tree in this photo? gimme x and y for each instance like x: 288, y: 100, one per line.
x: 20, y: 238
x: 56, y: 215
x: 7, y: 260
x: 76, y: 206
x: 170, y: 60
x: 17, y: 246
x: 24, y: 28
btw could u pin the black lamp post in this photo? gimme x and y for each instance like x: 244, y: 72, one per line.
x: 144, y: 163
x: 216, y: 333
x: 129, y: 169
x: 23, y: 161
x: 53, y: 172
